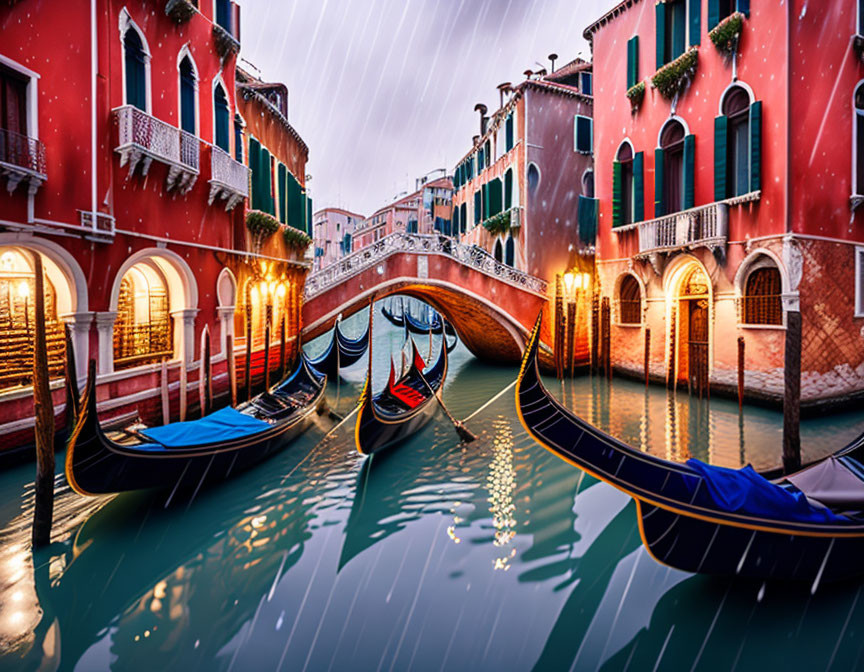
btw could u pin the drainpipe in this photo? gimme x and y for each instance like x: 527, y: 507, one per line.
x: 94, y: 66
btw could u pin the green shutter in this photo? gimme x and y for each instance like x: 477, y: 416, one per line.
x: 496, y: 197
x: 756, y: 146
x: 267, y: 185
x: 508, y: 190
x: 639, y: 187
x: 660, y: 32
x: 283, y: 193
x: 695, y: 11
x: 477, y: 206
x: 744, y: 7
x: 632, y: 61
x: 509, y: 131
x: 255, y: 166
x: 587, y: 217
x: 659, y: 210
x: 309, y: 215
x: 713, y: 13
x: 302, y: 212
x: 720, y: 126
x: 616, y: 194
x: 689, y: 171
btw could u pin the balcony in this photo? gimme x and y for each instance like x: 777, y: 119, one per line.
x: 144, y: 138
x: 704, y: 226
x: 229, y: 179
x: 21, y: 159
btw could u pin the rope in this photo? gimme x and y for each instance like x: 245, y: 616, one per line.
x: 492, y: 400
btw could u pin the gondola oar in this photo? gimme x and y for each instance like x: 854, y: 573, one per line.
x: 464, y: 433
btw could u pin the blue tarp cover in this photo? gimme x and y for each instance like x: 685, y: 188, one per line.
x: 225, y: 424
x: 745, y: 491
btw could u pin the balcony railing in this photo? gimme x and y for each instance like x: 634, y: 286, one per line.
x: 21, y: 158
x: 229, y: 179
x: 143, y: 138
x: 705, y: 226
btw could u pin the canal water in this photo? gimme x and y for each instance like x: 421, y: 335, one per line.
x: 494, y: 555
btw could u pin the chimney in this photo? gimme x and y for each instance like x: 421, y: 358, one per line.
x: 475, y: 140
x: 503, y: 88
x: 552, y: 59
x: 541, y: 72
x: 482, y: 109
x: 528, y: 74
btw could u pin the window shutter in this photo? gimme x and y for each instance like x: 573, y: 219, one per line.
x: 266, y: 182
x: 496, y: 197
x: 509, y: 131
x: 660, y: 32
x: 309, y: 215
x: 587, y: 216
x: 720, y: 126
x: 254, y: 164
x: 616, y: 194
x: 508, y: 190
x: 756, y: 146
x: 659, y: 211
x: 695, y: 11
x: 283, y: 193
x: 744, y: 7
x: 713, y: 13
x: 632, y: 61
x: 477, y: 206
x: 583, y: 132
x: 689, y: 171
x: 639, y: 187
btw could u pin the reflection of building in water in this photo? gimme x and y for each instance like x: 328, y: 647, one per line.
x: 501, y: 483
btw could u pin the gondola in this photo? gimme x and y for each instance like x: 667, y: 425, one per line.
x: 403, y: 407
x: 188, y: 454
x: 416, y: 325
x: 807, y: 526
x: 341, y: 352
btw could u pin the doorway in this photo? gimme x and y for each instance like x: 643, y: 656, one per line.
x: 693, y: 331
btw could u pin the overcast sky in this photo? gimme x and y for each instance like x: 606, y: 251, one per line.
x: 383, y: 91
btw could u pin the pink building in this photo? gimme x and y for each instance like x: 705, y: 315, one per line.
x: 333, y: 233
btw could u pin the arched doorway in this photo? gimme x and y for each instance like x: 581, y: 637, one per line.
x: 143, y: 331
x: 691, y: 339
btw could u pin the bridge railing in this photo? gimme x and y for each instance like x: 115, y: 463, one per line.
x: 417, y: 243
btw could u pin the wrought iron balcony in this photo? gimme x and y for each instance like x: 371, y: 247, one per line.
x: 21, y: 158
x: 704, y: 226
x: 229, y: 179
x: 143, y: 138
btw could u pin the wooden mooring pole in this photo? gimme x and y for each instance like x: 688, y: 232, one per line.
x: 207, y: 364
x: 595, y: 330
x: 163, y: 387
x: 792, y: 395
x: 247, y: 376
x: 43, y: 508
x: 571, y: 335
x: 282, y: 346
x: 232, y: 367
x: 267, y: 356
x: 647, y: 363
x: 740, y: 373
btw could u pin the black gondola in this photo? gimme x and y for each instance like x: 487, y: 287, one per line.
x: 341, y: 352
x: 403, y: 407
x: 711, y: 520
x: 188, y: 454
x: 416, y: 325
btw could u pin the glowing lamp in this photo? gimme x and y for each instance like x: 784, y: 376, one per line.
x: 24, y: 290
x: 569, y: 279
x: 280, y: 290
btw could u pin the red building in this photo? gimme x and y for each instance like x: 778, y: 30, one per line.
x: 729, y: 172
x: 518, y: 189
x: 125, y: 167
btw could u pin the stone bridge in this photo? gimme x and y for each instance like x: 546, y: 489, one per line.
x: 491, y: 305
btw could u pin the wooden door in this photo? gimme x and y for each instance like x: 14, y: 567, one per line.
x: 698, y: 346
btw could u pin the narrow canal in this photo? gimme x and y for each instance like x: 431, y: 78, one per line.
x: 490, y: 556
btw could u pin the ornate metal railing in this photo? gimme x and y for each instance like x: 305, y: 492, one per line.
x: 705, y: 226
x: 416, y: 243
x: 22, y: 151
x: 143, y: 138
x: 229, y: 179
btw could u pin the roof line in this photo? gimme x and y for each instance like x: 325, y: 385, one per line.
x: 608, y: 16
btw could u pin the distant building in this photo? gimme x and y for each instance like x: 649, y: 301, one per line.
x: 333, y: 234
x: 524, y: 192
x: 426, y: 210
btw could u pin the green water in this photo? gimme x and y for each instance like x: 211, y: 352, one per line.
x: 490, y: 556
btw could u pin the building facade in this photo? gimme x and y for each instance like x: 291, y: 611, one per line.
x: 333, y: 233
x: 517, y: 192
x: 726, y: 203
x: 425, y: 210
x: 126, y: 168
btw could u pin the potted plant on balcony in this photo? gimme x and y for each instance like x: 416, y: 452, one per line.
x: 498, y: 224
x: 180, y: 11
x: 673, y: 78
x: 296, y: 241
x: 636, y: 94
x: 261, y: 226
x: 727, y: 34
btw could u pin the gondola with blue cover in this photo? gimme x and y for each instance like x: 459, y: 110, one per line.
x: 189, y: 454
x: 341, y: 352
x: 403, y: 407
x: 806, y: 526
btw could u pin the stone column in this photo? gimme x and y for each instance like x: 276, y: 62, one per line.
x: 80, y: 324
x: 184, y: 333
x: 226, y: 321
x: 105, y: 327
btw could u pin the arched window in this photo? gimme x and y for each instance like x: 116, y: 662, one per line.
x: 736, y: 109
x: 672, y: 147
x: 17, y: 320
x: 464, y: 218
x: 221, y: 117
x: 143, y: 330
x: 510, y: 252
x: 135, y: 64
x: 533, y: 178
x: 508, y: 189
x: 588, y: 184
x: 238, y: 138
x: 625, y: 161
x: 629, y: 301
x: 859, y: 140
x: 762, y: 303
x: 188, y: 95
x: 499, y: 252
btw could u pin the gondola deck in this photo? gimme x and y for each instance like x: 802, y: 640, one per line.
x: 680, y: 520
